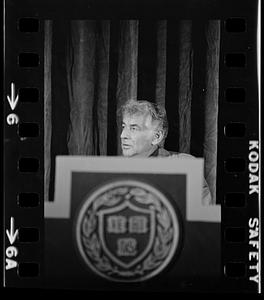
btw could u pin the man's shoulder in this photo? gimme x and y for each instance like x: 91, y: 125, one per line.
x: 182, y: 155
x: 165, y: 153
x: 207, y: 198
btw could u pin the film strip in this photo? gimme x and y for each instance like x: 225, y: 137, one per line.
x: 28, y: 222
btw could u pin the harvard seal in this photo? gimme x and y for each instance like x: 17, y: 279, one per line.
x: 127, y: 230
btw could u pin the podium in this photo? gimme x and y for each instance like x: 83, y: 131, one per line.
x: 131, y: 224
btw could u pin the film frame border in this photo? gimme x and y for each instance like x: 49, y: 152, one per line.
x: 17, y: 145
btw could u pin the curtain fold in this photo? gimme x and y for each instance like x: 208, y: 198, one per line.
x: 127, y: 68
x: 172, y: 85
x: 211, y: 103
x: 81, y: 84
x: 47, y: 103
x: 103, y: 44
x: 161, y: 62
x: 185, y: 85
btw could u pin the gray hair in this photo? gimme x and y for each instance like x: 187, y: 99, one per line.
x: 156, y: 111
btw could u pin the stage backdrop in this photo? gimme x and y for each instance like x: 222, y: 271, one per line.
x: 93, y: 66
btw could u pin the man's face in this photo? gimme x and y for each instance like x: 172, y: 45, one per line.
x: 137, y: 135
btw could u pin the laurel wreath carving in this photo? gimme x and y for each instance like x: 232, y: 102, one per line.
x: 162, y: 240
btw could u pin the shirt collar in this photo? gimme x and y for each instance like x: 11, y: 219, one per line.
x: 155, y: 153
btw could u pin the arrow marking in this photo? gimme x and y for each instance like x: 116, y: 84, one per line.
x: 13, y: 99
x: 12, y: 234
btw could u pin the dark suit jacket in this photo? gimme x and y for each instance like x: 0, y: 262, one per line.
x: 161, y: 152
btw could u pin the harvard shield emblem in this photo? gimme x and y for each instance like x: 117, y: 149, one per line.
x: 127, y: 231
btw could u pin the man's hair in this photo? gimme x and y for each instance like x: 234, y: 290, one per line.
x: 142, y: 107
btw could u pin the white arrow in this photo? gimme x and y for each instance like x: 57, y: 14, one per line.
x: 13, y: 99
x: 12, y: 234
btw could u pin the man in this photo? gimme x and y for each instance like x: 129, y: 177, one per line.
x: 144, y: 130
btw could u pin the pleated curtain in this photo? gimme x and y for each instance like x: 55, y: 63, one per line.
x: 93, y: 66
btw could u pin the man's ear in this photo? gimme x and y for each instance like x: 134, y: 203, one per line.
x: 158, y: 136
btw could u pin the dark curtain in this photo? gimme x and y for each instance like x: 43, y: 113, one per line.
x: 93, y: 66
